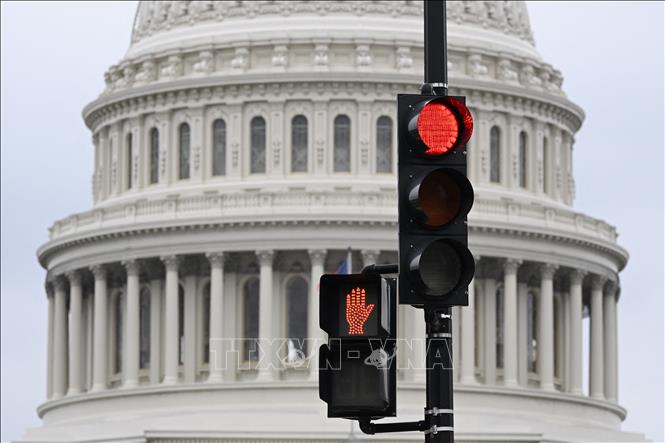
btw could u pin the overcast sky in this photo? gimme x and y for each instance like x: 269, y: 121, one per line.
x: 53, y: 59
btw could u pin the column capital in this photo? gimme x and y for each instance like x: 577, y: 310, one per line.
x: 598, y: 281
x: 511, y: 265
x: 59, y: 283
x: 317, y: 256
x: 611, y: 287
x: 131, y: 266
x: 369, y: 256
x: 577, y: 276
x: 171, y: 262
x: 99, y: 271
x: 547, y: 270
x: 265, y: 256
x: 74, y: 277
x: 48, y: 287
x: 215, y: 258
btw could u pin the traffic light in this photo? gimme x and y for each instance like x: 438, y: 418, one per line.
x: 435, y: 197
x: 357, y: 371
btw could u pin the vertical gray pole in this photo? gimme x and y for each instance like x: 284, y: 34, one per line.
x: 436, y: 52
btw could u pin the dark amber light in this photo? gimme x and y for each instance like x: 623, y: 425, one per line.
x: 439, y: 197
x: 438, y: 128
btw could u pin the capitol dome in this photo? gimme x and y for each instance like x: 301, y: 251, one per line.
x: 240, y: 148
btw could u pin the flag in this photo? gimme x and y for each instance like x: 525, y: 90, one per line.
x: 346, y: 266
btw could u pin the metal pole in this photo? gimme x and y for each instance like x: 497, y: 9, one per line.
x: 436, y: 52
x: 439, y: 376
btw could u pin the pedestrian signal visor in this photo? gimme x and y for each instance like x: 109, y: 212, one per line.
x: 354, y: 306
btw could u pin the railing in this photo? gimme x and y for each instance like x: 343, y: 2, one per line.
x: 339, y: 205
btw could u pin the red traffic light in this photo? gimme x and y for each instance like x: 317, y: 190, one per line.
x: 440, y: 125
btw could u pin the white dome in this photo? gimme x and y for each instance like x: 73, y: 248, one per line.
x: 254, y: 141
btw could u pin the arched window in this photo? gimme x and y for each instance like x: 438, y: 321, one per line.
x: 522, y: 159
x: 499, y: 327
x: 299, y: 144
x: 495, y: 154
x: 250, y: 319
x: 206, y: 323
x: 342, y: 144
x: 257, y: 145
x: 181, y: 325
x: 183, y: 149
x: 384, y: 144
x: 546, y: 184
x: 118, y: 335
x: 531, y: 332
x: 154, y: 155
x: 144, y: 329
x: 219, y: 147
x: 128, y: 150
x: 296, y: 304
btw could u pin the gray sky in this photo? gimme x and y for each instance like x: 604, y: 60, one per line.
x: 53, y: 59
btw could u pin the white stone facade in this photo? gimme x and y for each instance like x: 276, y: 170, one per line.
x: 203, y: 230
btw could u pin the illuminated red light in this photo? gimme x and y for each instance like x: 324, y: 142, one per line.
x: 357, y: 312
x: 438, y: 128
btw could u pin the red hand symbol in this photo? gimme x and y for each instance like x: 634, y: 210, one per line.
x: 356, y: 311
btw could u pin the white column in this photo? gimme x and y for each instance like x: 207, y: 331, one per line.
x: 216, y: 359
x: 468, y: 339
x: 75, y: 330
x: 189, y: 350
x: 575, y: 371
x: 131, y: 348
x: 510, y: 268
x: 610, y: 342
x: 522, y: 334
x: 60, y: 339
x: 596, y: 383
x: 267, y: 363
x: 99, y: 363
x: 418, y: 336
x: 155, y: 329
x: 489, y: 311
x: 49, y: 342
x: 546, y: 328
x: 171, y: 316
x: 314, y: 332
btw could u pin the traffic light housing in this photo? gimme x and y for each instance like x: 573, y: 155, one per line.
x: 435, y: 197
x: 357, y: 368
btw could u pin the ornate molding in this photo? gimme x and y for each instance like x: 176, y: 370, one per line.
x: 547, y: 271
x: 132, y: 267
x: 511, y: 265
x: 265, y: 256
x: 99, y: 272
x: 154, y: 17
x: 317, y: 256
x: 577, y: 276
x: 171, y: 262
x: 598, y: 281
x: 216, y: 259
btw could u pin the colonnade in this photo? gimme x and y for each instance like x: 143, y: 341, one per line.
x: 522, y: 328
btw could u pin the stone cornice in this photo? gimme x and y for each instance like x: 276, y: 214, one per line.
x: 238, y: 89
